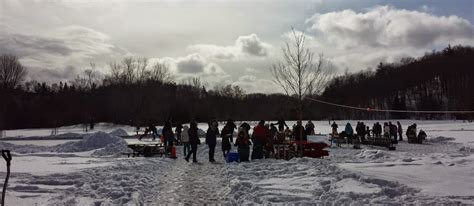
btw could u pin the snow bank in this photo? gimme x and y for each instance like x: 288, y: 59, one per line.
x: 23, y: 149
x: 89, y: 142
x: 440, y: 139
x: 374, y: 154
x: 119, y: 132
x: 114, y: 149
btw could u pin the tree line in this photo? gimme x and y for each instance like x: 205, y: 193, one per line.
x: 437, y: 81
x: 138, y: 92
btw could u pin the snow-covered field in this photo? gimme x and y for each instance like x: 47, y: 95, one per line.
x: 92, y: 171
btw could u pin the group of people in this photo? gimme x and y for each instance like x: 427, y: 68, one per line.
x: 261, y: 139
x: 389, y: 130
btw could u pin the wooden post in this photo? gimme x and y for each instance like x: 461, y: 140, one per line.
x: 7, y: 156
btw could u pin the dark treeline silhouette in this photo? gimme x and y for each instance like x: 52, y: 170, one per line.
x: 135, y: 104
x: 436, y: 81
x: 134, y: 95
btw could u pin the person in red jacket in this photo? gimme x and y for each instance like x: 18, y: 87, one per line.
x: 258, y: 138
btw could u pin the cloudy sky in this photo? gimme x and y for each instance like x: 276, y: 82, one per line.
x: 227, y: 41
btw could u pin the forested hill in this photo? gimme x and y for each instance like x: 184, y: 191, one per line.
x: 437, y: 81
x: 441, y: 80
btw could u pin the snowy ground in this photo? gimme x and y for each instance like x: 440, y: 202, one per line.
x: 92, y: 172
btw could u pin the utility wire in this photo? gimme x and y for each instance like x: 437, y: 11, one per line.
x: 368, y: 109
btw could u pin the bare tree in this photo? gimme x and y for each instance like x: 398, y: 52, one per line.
x: 11, y: 71
x: 160, y: 72
x: 195, y: 82
x: 299, y: 74
x: 141, y: 65
x: 88, y: 80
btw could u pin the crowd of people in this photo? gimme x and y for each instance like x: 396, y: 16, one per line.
x: 264, y: 135
x: 262, y: 138
x: 389, y: 130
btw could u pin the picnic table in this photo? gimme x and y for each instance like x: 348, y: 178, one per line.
x: 290, y: 149
x: 146, y: 149
x: 380, y: 141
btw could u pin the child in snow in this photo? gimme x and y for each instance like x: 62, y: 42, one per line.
x: 243, y: 144
x: 226, y: 134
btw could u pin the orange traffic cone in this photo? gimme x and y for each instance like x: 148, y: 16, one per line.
x: 173, y: 151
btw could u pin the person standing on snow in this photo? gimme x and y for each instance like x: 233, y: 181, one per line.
x: 386, y: 130
x: 211, y: 139
x: 258, y: 139
x: 185, y: 140
x: 334, y: 129
x: 393, y: 132
x: 231, y: 126
x: 168, y: 135
x: 309, y: 128
x: 193, y: 141
x: 299, y: 133
x: 349, y: 131
x: 246, y: 126
x: 243, y: 144
x: 400, y: 131
x: 281, y: 124
x: 226, y: 135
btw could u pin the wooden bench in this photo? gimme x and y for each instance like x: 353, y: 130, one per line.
x: 288, y: 150
x: 147, y: 150
x: 381, y: 141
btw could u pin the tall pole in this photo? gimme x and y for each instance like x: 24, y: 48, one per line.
x: 7, y: 156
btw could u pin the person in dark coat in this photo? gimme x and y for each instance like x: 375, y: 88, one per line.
x: 393, y: 132
x: 309, y: 128
x: 193, y: 141
x: 400, y: 131
x: 258, y: 138
x: 168, y: 135
x: 246, y: 126
x: 281, y: 125
x: 299, y: 133
x: 243, y: 144
x: 334, y: 128
x: 226, y: 145
x: 151, y: 129
x: 211, y: 137
x: 273, y: 132
x: 231, y: 125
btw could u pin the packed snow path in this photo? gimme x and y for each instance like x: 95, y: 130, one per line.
x: 148, y: 181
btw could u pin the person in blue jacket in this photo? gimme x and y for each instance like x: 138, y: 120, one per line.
x: 349, y: 131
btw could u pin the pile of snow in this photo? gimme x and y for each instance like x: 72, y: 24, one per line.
x: 119, y: 132
x: 374, y: 154
x: 114, y: 149
x: 89, y: 142
x: 440, y: 139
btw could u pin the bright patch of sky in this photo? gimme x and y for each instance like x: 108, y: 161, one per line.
x: 224, y: 42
